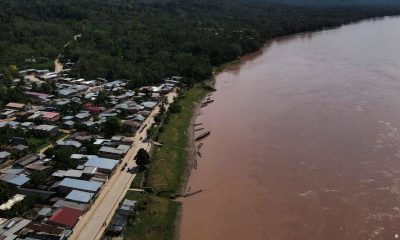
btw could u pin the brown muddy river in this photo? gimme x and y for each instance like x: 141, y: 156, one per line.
x: 305, y: 141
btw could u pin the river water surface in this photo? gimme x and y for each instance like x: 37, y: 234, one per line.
x: 305, y: 141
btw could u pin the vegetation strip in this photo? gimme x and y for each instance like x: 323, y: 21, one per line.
x: 156, y: 212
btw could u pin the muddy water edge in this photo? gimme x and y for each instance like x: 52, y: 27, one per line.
x: 304, y: 141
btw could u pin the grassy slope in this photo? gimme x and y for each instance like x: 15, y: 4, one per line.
x: 169, y: 161
x: 156, y: 218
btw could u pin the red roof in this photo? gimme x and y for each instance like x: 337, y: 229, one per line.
x: 89, y: 107
x: 49, y: 115
x: 66, y: 216
x: 37, y: 94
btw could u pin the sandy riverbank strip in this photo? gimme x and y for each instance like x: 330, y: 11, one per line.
x: 191, y: 163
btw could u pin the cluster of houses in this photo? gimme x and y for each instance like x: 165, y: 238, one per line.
x: 69, y: 192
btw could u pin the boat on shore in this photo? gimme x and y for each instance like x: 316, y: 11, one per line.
x: 203, y: 135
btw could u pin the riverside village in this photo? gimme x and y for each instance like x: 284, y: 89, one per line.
x: 59, y: 151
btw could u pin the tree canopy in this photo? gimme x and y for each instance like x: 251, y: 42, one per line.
x: 146, y: 41
x: 142, y: 158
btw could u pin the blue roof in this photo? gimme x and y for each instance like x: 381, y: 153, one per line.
x: 14, y: 171
x: 149, y: 104
x: 79, y: 196
x: 18, y: 180
x: 103, y: 163
x: 80, y: 184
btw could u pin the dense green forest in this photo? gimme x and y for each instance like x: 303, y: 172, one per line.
x: 147, y: 40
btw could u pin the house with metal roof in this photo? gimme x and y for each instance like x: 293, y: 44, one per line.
x: 28, y: 159
x: 7, y: 113
x: 110, y: 152
x: 64, y: 203
x: 50, y: 116
x: 70, y: 173
x: 82, y: 116
x: 4, y: 156
x: 79, y: 196
x: 69, y: 143
x: 69, y: 184
x: 65, y: 217
x: 46, y: 130
x: 10, y: 228
x: 102, y: 164
x: 17, y: 180
x: 149, y: 105
x: 16, y: 106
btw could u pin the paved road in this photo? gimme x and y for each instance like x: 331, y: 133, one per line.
x: 91, y: 223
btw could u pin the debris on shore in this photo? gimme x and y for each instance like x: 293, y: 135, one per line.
x: 192, y: 193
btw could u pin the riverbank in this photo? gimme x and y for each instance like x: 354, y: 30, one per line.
x: 158, y: 214
x: 310, y: 142
x: 170, y: 170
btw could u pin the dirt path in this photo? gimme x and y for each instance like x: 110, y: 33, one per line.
x: 58, y: 66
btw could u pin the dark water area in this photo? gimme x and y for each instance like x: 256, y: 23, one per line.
x: 305, y: 141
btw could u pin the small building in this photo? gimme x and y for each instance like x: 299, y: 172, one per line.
x: 110, y: 152
x: 4, y: 156
x: 47, y: 231
x: 79, y: 196
x: 10, y: 228
x: 89, y: 172
x: 65, y: 217
x: 64, y: 203
x: 82, y: 116
x: 7, y: 113
x: 38, y: 97
x: 93, y: 109
x: 18, y: 140
x: 46, y: 130
x: 17, y: 180
x: 138, y: 118
x: 104, y: 165
x: 148, y: 105
x: 62, y: 102
x: 22, y: 116
x: 69, y: 184
x: 68, y: 118
x: 36, y: 167
x: 28, y: 159
x: 45, y: 212
x: 50, y: 117
x: 70, y: 173
x: 69, y: 143
x: 16, y: 106
x: 130, y: 126
x: 68, y: 124
x: 120, y: 218
x: 20, y: 148
x: 27, y: 125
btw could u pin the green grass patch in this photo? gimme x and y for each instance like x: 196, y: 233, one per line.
x: 169, y: 161
x: 36, y: 144
x: 156, y: 214
x: 137, y: 181
x: 154, y: 218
